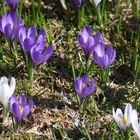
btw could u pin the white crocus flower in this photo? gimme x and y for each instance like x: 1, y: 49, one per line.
x: 6, y: 90
x: 135, y: 123
x: 123, y: 120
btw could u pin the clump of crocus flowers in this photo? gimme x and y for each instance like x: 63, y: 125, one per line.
x: 35, y: 46
x: 35, y: 49
x: 102, y: 56
x: 10, y: 25
x: 20, y: 109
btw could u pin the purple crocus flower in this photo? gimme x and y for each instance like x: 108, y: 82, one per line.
x: 102, y: 56
x: 39, y: 53
x: 12, y: 3
x: 79, y: 3
x: 82, y: 86
x: 27, y: 40
x: 10, y: 25
x: 86, y: 40
x: 22, y: 109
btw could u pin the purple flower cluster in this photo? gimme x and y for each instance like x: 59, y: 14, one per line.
x: 35, y: 46
x: 10, y: 25
x: 102, y: 56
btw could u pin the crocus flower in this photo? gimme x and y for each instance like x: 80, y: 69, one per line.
x: 83, y: 87
x: 12, y: 3
x: 27, y: 40
x: 86, y: 40
x: 39, y: 53
x: 123, y: 120
x: 6, y: 90
x: 79, y: 3
x: 135, y: 123
x: 102, y: 56
x: 10, y: 25
x: 20, y: 109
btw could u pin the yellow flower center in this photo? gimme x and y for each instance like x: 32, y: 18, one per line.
x: 124, y: 120
x: 21, y: 110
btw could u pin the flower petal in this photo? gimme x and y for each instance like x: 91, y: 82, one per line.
x: 31, y: 104
x: 134, y: 121
x: 48, y: 52
x: 96, y: 58
x: 90, y: 44
x: 22, y: 34
x: 12, y: 86
x: 23, y: 100
x: 43, y: 33
x: 27, y: 44
x: 31, y: 32
x: 13, y: 100
x: 26, y: 111
x: 3, y: 80
x: 84, y: 79
x: 105, y: 61
x: 81, y: 41
x: 100, y: 49
x: 14, y: 17
x: 16, y: 111
x: 109, y: 52
x: 4, y: 91
x: 8, y: 31
x: 84, y: 92
x: 92, y: 87
x: 128, y: 111
x: 113, y: 57
x: 78, y: 84
x: 118, y: 117
x: 97, y: 37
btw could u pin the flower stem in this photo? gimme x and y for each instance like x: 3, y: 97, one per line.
x: 127, y: 135
x: 14, y: 51
x: 104, y: 75
x: 87, y: 64
x: 5, y: 112
x: 30, y: 70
